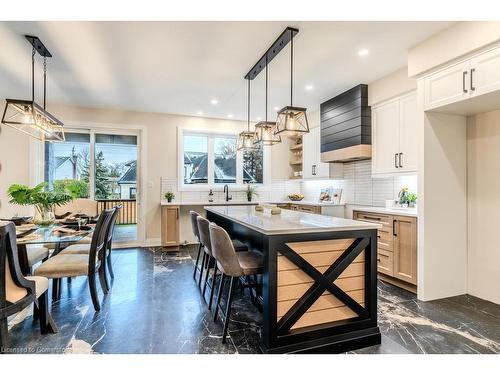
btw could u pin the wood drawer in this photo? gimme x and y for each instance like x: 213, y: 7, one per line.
x: 385, y: 239
x: 311, y: 209
x: 284, y: 205
x: 385, y: 262
x: 385, y: 220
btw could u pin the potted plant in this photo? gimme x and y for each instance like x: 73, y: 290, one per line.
x: 251, y: 191
x: 43, y: 200
x: 412, y: 199
x: 403, y: 196
x: 169, y: 196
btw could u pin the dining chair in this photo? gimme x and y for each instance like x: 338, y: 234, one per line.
x: 80, y: 205
x: 106, y: 265
x: 71, y: 265
x: 36, y: 254
x: 233, y: 265
x: 18, y: 291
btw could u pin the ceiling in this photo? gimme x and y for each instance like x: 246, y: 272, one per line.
x: 180, y: 67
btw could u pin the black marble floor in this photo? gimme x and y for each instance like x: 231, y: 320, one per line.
x: 155, y: 307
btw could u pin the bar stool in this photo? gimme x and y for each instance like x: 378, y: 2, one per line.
x: 208, y: 258
x: 232, y: 264
x: 194, y: 226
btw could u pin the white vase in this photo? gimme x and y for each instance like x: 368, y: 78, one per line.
x: 43, y: 216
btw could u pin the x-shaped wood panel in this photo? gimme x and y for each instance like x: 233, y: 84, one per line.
x: 322, y: 282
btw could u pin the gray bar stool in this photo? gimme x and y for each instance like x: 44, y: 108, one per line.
x: 232, y: 264
x: 194, y: 226
x: 208, y: 258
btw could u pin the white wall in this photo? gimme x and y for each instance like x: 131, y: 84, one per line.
x: 390, y: 86
x: 483, y: 192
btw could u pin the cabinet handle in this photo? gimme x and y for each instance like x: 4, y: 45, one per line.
x: 394, y: 228
x: 396, y: 160
x: 400, y: 162
x: 378, y: 260
x: 472, y: 88
x: 177, y: 212
x: 371, y: 218
x: 314, y: 170
x: 463, y: 82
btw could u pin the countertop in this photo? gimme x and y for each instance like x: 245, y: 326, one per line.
x: 288, y: 221
x: 245, y: 203
x: 390, y: 211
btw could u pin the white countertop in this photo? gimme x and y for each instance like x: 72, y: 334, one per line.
x: 244, y: 203
x: 288, y: 221
x: 390, y: 211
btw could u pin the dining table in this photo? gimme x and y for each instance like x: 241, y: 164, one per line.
x: 56, y: 234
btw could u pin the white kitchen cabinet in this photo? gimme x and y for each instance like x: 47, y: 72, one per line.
x: 394, y: 146
x: 477, y: 75
x: 312, y: 165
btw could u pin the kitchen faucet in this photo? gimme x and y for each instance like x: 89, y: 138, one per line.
x: 226, y: 190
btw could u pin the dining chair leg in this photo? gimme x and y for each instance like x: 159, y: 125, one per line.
x: 228, y: 308
x: 3, y: 332
x: 102, y: 279
x: 202, y: 266
x: 110, y: 265
x: 93, y: 292
x: 209, y: 267
x: 197, y: 260
x: 47, y: 325
x: 56, y: 285
x: 219, y: 295
x: 212, y: 290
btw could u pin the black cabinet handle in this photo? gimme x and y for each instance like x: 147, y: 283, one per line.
x: 314, y: 170
x: 463, y: 82
x: 394, y: 228
x: 472, y: 88
x: 400, y: 162
x: 396, y: 160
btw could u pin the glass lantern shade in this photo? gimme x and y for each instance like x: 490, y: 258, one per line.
x: 265, y: 133
x: 30, y: 118
x: 292, y: 121
x: 246, y: 141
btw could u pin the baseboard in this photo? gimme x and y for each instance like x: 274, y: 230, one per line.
x: 399, y: 283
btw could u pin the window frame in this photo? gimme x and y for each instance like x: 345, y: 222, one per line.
x: 181, y: 132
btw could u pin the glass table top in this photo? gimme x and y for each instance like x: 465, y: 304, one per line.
x: 49, y: 234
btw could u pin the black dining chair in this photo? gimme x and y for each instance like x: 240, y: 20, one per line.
x: 17, y: 291
x: 71, y: 265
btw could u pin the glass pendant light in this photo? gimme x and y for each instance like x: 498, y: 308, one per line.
x: 246, y: 139
x: 292, y: 120
x: 26, y: 115
x: 265, y: 130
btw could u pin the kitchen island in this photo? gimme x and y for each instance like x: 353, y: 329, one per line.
x: 320, y: 278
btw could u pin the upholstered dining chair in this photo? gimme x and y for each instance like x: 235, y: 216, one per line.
x: 71, y: 265
x: 80, y: 205
x: 106, y: 265
x: 18, y: 291
x: 233, y: 265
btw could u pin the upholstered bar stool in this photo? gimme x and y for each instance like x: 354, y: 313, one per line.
x: 204, y: 232
x: 194, y: 226
x: 233, y: 265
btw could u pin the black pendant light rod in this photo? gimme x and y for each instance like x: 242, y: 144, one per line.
x: 291, y: 72
x: 39, y: 47
x: 285, y: 37
x: 33, y: 74
x: 266, y: 89
x: 248, y: 107
x: 44, y: 81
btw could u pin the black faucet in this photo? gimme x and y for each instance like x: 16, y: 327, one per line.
x: 226, y: 190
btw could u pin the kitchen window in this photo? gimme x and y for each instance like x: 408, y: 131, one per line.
x: 210, y: 160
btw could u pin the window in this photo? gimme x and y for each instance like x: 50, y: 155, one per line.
x: 195, y: 159
x: 211, y: 160
x: 132, y: 193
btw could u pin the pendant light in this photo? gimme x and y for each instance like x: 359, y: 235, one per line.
x: 265, y: 130
x: 246, y: 139
x: 292, y: 120
x: 28, y: 116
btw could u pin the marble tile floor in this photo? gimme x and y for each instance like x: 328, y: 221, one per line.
x: 155, y: 307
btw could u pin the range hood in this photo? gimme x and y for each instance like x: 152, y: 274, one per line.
x: 346, y: 127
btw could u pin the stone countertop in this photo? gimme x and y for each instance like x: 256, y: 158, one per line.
x: 288, y: 222
x: 245, y: 203
x: 412, y: 212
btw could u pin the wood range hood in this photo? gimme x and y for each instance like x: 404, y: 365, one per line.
x: 346, y: 127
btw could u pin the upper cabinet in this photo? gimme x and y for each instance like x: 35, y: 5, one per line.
x: 312, y: 165
x: 475, y: 76
x: 394, y: 149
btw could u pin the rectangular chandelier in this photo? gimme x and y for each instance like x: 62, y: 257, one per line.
x: 30, y: 118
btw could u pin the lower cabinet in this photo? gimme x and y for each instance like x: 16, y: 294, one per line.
x: 397, y: 247
x: 301, y: 207
x: 170, y: 226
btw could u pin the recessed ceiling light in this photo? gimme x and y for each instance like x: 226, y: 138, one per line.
x: 363, y: 52
x: 276, y: 108
x: 199, y: 113
x: 230, y: 116
x: 309, y: 87
x: 214, y: 101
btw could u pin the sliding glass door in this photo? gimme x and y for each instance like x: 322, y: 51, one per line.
x: 101, y: 166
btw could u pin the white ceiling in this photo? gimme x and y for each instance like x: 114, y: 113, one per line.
x: 179, y: 67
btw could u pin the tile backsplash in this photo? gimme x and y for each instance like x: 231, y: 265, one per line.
x: 358, y: 186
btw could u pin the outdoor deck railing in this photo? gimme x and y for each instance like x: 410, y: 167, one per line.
x: 128, y: 213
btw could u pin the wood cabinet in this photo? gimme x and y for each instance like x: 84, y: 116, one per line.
x: 313, y: 209
x: 397, y: 247
x: 394, y: 126
x: 477, y: 75
x: 170, y: 226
